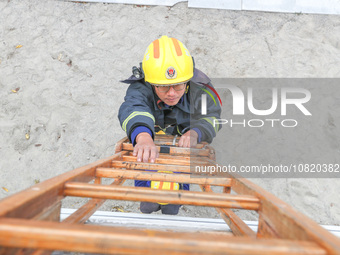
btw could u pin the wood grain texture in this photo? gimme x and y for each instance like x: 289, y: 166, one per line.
x: 176, y: 150
x: 282, y: 221
x: 117, y: 240
x: 150, y: 166
x: 85, y: 212
x: 281, y: 230
x: 156, y: 176
x: 162, y: 196
x: 237, y: 226
x: 32, y: 201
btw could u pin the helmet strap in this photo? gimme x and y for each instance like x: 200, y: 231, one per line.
x: 193, y: 62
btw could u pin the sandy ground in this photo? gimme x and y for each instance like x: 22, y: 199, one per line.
x: 60, y: 64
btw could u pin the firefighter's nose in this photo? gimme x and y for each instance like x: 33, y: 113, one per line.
x: 171, y: 91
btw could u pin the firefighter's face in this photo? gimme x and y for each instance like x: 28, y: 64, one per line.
x: 170, y: 94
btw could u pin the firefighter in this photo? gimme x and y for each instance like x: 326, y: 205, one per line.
x: 165, y: 95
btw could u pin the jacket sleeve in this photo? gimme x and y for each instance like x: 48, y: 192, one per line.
x: 136, y: 109
x: 205, y: 122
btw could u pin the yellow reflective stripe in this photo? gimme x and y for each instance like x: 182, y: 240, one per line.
x: 134, y: 114
x: 211, y: 121
x: 178, y: 131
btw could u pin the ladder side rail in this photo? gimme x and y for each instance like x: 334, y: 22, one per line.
x: 119, y: 144
x: 237, y: 226
x: 277, y: 219
x: 30, y: 202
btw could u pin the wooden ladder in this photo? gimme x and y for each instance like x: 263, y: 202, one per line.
x: 30, y: 220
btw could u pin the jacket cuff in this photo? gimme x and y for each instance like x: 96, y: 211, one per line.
x: 199, y: 134
x: 137, y: 131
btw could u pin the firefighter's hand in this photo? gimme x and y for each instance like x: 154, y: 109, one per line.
x: 145, y: 148
x: 189, y: 139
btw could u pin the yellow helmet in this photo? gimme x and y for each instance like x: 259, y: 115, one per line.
x: 167, y: 61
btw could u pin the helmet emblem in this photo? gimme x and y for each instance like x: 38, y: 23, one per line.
x: 171, y: 73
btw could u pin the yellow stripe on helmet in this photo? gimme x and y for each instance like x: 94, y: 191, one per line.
x: 167, y: 61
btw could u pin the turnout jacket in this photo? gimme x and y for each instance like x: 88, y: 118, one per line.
x: 142, y: 107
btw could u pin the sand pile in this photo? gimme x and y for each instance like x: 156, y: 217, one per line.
x: 60, y: 64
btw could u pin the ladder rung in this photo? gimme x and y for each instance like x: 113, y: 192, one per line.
x: 176, y: 150
x: 184, y: 158
x: 162, y: 196
x: 155, y: 176
x: 85, y: 212
x: 160, y: 161
x: 150, y: 166
x: 117, y: 240
x: 198, y: 146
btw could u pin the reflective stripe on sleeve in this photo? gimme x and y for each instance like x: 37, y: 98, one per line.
x: 210, y: 120
x: 135, y: 114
